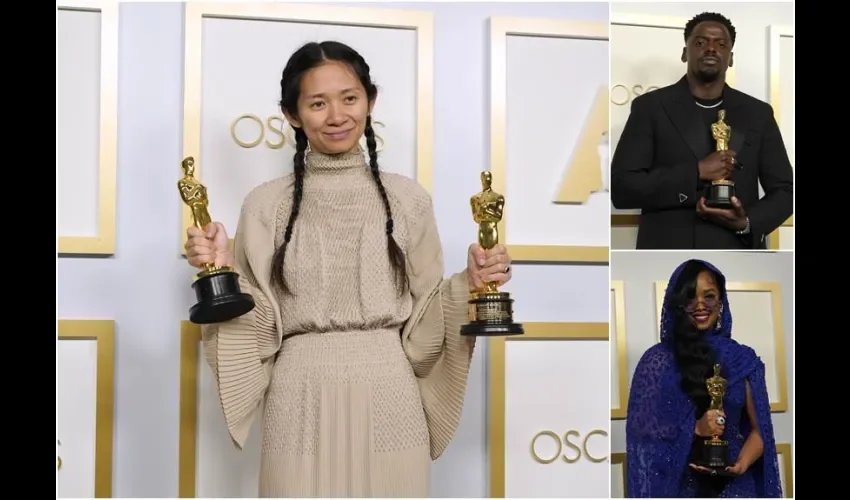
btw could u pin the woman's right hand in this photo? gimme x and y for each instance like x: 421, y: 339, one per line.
x: 712, y: 423
x: 212, y: 246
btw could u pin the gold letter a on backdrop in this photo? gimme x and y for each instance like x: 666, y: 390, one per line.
x: 584, y: 174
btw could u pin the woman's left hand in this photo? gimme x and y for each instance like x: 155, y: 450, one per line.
x: 700, y: 468
x: 492, y: 265
x: 737, y: 469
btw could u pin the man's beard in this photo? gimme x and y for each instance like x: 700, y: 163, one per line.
x: 707, y: 75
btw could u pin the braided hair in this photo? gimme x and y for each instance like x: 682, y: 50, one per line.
x: 308, y: 57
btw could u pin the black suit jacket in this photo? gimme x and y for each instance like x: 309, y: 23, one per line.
x: 654, y: 169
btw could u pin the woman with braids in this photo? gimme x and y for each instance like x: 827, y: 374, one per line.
x: 668, y: 401
x: 354, y: 343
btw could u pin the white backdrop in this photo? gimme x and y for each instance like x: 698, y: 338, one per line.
x: 152, y: 363
x: 85, y: 411
x: 86, y: 110
x: 77, y: 390
x: 761, y: 295
x: 545, y: 156
x: 553, y: 165
x: 656, y: 63
x: 556, y: 424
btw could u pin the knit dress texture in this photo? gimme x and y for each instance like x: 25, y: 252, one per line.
x: 363, y: 384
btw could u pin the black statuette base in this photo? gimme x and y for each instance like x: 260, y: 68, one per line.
x: 719, y: 194
x: 491, y: 315
x: 219, y: 298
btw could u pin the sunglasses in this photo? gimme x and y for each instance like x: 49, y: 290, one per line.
x: 709, y: 302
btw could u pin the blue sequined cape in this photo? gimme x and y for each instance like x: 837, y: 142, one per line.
x: 661, y: 422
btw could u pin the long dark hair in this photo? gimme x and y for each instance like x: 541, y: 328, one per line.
x: 694, y: 355
x: 307, y: 57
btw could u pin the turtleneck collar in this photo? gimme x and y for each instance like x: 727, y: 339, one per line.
x: 336, y: 163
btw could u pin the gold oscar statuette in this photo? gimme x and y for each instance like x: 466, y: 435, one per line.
x: 720, y: 192
x: 713, y: 453
x: 490, y: 311
x: 216, y: 288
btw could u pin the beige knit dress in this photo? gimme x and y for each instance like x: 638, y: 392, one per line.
x: 363, y: 387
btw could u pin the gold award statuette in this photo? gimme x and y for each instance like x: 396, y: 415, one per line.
x: 490, y: 311
x: 216, y: 288
x: 719, y: 194
x: 713, y: 453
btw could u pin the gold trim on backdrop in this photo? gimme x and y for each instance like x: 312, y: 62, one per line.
x: 421, y: 22
x: 102, y: 332
x: 533, y: 331
x: 775, y: 34
x: 104, y: 242
x: 784, y: 450
x: 500, y: 29
x: 190, y: 338
x: 619, y: 458
x: 625, y: 219
x: 775, y: 290
x: 618, y: 287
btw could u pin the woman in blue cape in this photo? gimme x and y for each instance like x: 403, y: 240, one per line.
x: 668, y: 400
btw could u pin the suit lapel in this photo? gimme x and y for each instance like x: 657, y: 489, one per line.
x: 735, y: 117
x: 687, y: 120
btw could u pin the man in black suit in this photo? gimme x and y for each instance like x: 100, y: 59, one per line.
x: 665, y: 157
